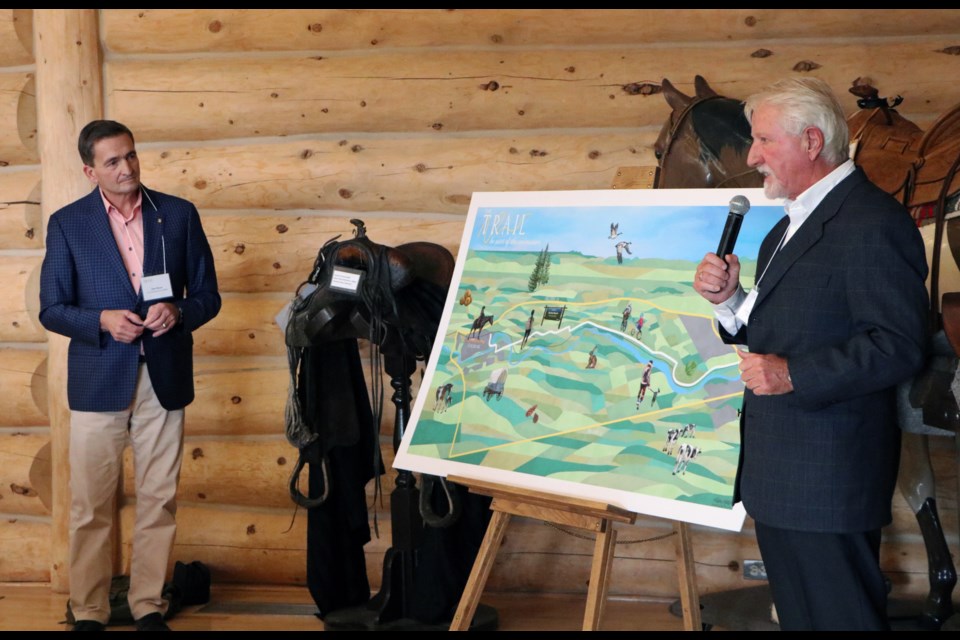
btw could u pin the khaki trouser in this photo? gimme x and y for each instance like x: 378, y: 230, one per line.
x: 97, y: 441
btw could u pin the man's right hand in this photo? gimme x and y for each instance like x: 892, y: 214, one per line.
x: 124, y: 326
x: 716, y: 279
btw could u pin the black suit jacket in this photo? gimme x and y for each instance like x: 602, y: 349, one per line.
x: 845, y: 302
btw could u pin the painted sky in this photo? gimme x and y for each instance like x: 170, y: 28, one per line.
x: 684, y: 232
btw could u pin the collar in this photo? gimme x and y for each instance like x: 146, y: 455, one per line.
x: 112, y: 210
x: 800, y: 209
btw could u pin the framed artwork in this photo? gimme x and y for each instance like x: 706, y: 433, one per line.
x: 575, y: 358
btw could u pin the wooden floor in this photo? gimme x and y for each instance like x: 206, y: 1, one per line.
x: 31, y: 607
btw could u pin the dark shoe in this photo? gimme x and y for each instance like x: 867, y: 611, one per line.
x: 151, y: 622
x: 89, y: 625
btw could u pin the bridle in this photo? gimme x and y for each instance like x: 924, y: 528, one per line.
x: 677, y: 122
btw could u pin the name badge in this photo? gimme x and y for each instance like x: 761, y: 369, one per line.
x: 156, y: 287
x: 743, y: 313
x: 345, y: 279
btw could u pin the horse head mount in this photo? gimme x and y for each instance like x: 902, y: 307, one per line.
x: 705, y: 141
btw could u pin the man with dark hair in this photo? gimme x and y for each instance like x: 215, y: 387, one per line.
x: 128, y: 275
x: 837, y: 317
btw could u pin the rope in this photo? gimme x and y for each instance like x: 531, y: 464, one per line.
x: 570, y: 532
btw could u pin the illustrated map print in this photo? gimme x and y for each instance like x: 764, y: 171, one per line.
x: 575, y: 350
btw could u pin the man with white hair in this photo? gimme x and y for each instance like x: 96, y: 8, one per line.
x: 836, y: 318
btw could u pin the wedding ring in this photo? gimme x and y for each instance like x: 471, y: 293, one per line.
x: 164, y: 325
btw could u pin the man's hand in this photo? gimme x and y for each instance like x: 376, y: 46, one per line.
x: 716, y: 279
x: 764, y: 374
x: 161, y: 317
x: 124, y: 326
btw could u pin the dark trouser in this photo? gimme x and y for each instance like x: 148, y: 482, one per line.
x: 825, y: 581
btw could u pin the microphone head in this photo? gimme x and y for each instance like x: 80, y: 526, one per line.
x: 739, y: 205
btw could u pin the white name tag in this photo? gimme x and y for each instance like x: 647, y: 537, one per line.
x: 345, y: 279
x: 743, y: 313
x: 156, y: 287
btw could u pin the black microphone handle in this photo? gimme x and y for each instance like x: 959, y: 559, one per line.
x: 730, y: 232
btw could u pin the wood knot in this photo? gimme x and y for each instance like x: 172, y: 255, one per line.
x: 342, y: 143
x: 356, y: 148
x: 641, y: 89
x: 420, y: 167
x: 236, y: 399
x: 306, y: 153
x: 496, y: 38
x: 20, y: 490
x: 29, y: 234
x: 346, y: 194
x: 215, y: 26
x: 281, y: 461
x: 493, y: 85
x: 363, y: 103
x: 316, y: 27
x: 593, y: 155
x: 239, y: 248
x: 274, y: 94
x: 806, y: 65
x: 437, y: 126
x: 570, y: 69
x: 950, y: 51
x: 252, y: 335
x: 251, y: 529
x: 197, y: 453
x: 374, y: 42
x: 276, y: 265
x: 513, y: 150
x: 164, y: 154
x: 200, y: 184
x: 534, y: 153
x: 750, y: 21
x: 202, y: 496
x: 282, y: 228
x: 521, y: 112
x: 761, y: 53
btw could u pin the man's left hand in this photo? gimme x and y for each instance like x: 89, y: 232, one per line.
x: 161, y: 317
x: 765, y: 374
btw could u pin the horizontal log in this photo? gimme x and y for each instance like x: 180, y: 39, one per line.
x: 203, y: 30
x: 245, y: 326
x: 260, y: 251
x: 230, y: 472
x: 20, y: 217
x: 25, y: 488
x: 262, y: 547
x: 461, y: 91
x: 20, y: 299
x: 18, y: 113
x: 26, y: 550
x: 413, y: 175
x: 23, y: 378
x: 16, y: 37
x: 246, y: 396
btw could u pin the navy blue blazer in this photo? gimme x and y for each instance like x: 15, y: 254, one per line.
x: 845, y: 302
x: 83, y: 274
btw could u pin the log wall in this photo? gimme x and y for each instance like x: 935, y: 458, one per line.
x: 281, y: 125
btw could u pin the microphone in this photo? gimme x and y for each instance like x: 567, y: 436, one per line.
x: 739, y: 205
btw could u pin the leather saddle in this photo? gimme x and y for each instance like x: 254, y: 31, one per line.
x: 357, y: 289
x: 898, y: 156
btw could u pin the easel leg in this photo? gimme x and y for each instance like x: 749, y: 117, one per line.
x: 689, y: 598
x: 480, y: 572
x: 600, y: 576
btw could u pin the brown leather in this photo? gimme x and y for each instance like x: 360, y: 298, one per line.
x: 901, y: 158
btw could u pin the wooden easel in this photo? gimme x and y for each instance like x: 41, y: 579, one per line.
x: 566, y: 511
x: 574, y: 512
